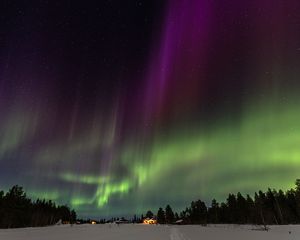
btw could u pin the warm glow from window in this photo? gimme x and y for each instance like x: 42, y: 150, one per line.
x: 150, y: 221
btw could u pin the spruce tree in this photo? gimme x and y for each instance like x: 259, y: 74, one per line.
x: 149, y: 214
x: 161, y: 219
x: 213, y: 212
x: 198, y: 212
x: 169, y: 215
x: 297, y: 198
x: 250, y: 210
x: 232, y: 207
x: 241, y: 208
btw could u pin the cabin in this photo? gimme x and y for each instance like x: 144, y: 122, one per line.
x: 150, y: 221
x: 179, y: 222
x: 122, y: 220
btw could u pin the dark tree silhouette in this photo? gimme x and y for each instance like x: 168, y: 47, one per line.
x: 16, y: 210
x: 214, y: 212
x: 161, y: 218
x: 250, y: 209
x: 270, y: 207
x: 198, y: 212
x: 149, y: 214
x: 169, y: 215
x: 297, y: 197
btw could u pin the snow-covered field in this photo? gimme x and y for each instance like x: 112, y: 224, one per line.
x: 147, y: 232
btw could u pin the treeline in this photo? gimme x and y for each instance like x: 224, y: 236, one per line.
x: 266, y: 208
x: 17, y: 210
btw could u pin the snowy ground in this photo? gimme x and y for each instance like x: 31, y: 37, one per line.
x: 147, y: 232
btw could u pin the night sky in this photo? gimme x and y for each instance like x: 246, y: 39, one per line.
x: 115, y: 107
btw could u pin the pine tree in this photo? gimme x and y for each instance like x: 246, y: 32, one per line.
x: 16, y: 210
x: 73, y: 216
x: 1, y: 206
x: 259, y: 205
x: 297, y: 198
x: 224, y: 213
x: 291, y: 203
x: 198, y: 212
x: 161, y: 219
x: 232, y: 207
x: 169, y: 215
x: 250, y: 211
x: 149, y: 214
x: 297, y: 183
x: 213, y: 212
x: 241, y: 209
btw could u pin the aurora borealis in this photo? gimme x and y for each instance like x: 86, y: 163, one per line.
x: 117, y: 107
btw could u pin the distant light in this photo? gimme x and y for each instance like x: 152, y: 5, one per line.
x: 150, y: 221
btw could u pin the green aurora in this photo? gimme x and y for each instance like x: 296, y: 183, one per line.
x: 118, y: 108
x: 259, y: 151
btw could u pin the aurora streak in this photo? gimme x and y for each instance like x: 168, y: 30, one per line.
x: 213, y: 109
